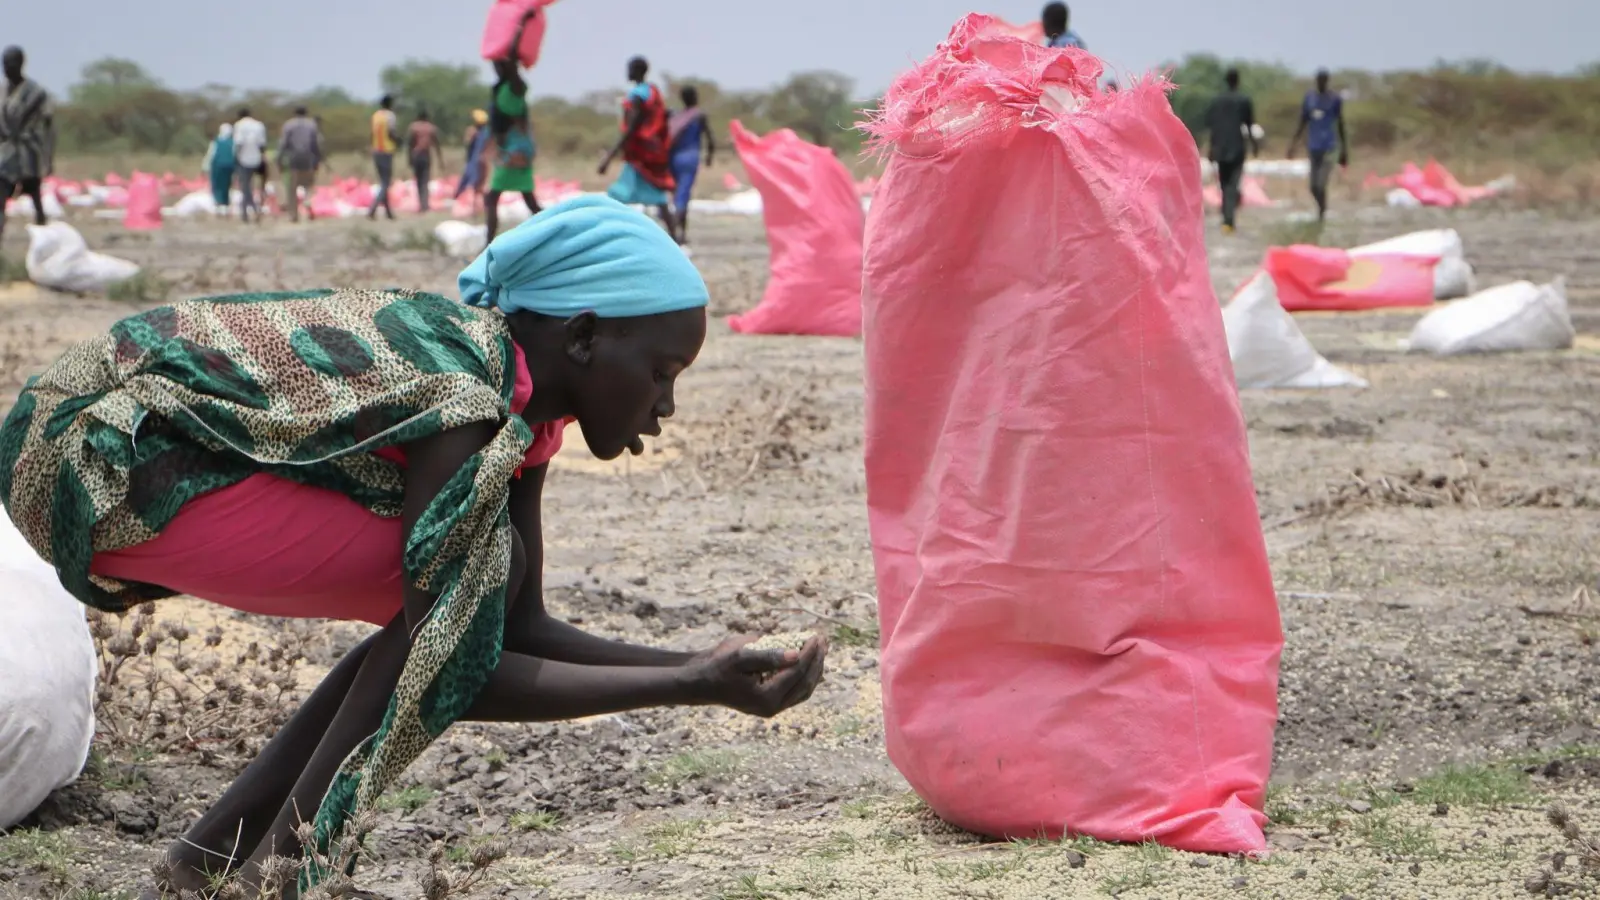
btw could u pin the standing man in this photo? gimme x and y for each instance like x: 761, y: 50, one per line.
x: 1322, y: 114
x: 422, y: 145
x: 299, y: 156
x: 1056, y: 30
x: 27, y: 137
x: 249, y: 158
x: 1231, y: 119
x: 385, y: 140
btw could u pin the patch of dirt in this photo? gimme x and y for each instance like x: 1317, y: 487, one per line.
x: 1428, y: 605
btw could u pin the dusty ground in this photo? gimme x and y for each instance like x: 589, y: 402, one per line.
x: 1437, y: 696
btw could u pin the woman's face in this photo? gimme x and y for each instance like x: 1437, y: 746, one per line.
x: 626, y: 388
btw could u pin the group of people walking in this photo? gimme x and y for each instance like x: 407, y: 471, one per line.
x: 1231, y: 121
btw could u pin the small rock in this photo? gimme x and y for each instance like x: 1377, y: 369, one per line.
x: 1298, y: 874
x: 1359, y: 806
x: 1075, y: 860
x: 1200, y: 863
x: 1441, y: 809
x: 1416, y: 869
x: 1552, y: 769
x: 1241, y: 883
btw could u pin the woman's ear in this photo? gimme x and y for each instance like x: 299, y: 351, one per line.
x: 579, y: 338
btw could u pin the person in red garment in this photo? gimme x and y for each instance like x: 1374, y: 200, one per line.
x: 645, y: 148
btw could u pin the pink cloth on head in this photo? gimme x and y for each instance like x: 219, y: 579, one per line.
x: 277, y: 548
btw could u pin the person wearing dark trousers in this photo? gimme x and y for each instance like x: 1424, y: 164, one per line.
x: 27, y: 137
x: 1321, y: 121
x: 1231, y: 121
x: 385, y: 140
x: 422, y: 146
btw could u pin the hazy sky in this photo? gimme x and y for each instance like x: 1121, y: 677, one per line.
x: 297, y: 44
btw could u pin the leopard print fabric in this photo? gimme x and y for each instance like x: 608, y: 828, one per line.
x: 102, y: 450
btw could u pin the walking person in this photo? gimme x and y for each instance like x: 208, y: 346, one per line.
x: 1231, y: 120
x: 687, y: 132
x: 1322, y: 124
x: 511, y: 136
x: 476, y: 143
x: 218, y: 167
x: 27, y: 137
x: 385, y: 140
x: 249, y: 158
x: 646, y: 163
x: 299, y: 156
x: 422, y: 145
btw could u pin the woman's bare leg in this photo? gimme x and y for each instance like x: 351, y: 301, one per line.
x: 236, y: 823
x: 491, y: 214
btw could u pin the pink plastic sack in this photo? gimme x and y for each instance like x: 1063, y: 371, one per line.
x: 1079, y: 627
x: 814, y: 221
x: 325, y: 203
x: 1324, y: 278
x: 144, y: 203
x: 505, y: 16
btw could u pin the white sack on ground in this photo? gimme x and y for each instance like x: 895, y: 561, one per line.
x: 47, y: 668
x: 1268, y: 349
x: 1511, y: 317
x: 58, y: 258
x: 23, y: 206
x: 461, y: 239
x: 198, y: 203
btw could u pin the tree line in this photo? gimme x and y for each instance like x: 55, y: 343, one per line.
x: 1474, y: 109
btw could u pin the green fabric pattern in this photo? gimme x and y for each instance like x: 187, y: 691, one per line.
x: 103, y: 449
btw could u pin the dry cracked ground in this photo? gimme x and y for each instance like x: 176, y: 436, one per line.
x: 1435, y: 540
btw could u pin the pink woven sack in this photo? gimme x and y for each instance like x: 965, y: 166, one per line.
x: 1079, y: 627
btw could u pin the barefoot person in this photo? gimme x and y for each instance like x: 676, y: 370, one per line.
x: 1322, y: 125
x: 687, y: 132
x: 26, y: 137
x: 219, y: 448
x: 646, y: 164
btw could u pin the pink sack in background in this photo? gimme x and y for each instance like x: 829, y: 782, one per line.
x: 1079, y: 630
x: 144, y: 203
x: 814, y: 222
x: 1326, y: 278
x: 505, y: 16
x: 730, y: 182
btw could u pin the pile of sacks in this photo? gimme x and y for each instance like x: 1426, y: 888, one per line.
x: 1433, y: 185
x: 1268, y: 349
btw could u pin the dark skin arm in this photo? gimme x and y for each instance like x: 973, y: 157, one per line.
x: 711, y: 144
x: 1344, y: 142
x: 635, y: 120
x: 591, y: 680
x: 532, y: 630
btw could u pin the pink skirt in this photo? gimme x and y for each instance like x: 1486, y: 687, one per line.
x: 276, y: 548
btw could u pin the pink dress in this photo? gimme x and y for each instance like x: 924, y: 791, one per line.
x: 277, y: 548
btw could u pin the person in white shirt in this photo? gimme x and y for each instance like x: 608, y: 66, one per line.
x: 249, y: 153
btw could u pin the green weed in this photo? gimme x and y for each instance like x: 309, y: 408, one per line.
x: 145, y: 287
x: 851, y: 636
x: 1473, y: 786
x: 408, y: 799
x: 1383, y: 833
x: 537, y: 820
x: 50, y: 852
x: 683, y: 768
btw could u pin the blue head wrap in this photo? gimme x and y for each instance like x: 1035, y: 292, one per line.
x: 589, y: 253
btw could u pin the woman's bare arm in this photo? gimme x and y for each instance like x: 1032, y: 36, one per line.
x: 532, y: 630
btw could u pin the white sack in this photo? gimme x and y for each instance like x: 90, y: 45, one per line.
x: 58, y: 258
x: 1268, y: 349
x: 1511, y: 317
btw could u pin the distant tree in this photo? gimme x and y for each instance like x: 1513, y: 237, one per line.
x: 816, y: 105
x: 449, y: 92
x: 117, y: 105
x: 1199, y: 79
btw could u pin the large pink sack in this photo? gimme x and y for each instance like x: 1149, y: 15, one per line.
x: 144, y: 203
x: 1079, y: 627
x: 504, y: 18
x: 814, y: 222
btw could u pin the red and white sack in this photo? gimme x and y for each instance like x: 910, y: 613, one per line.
x: 1079, y: 627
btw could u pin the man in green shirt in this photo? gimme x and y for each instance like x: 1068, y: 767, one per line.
x: 1231, y: 120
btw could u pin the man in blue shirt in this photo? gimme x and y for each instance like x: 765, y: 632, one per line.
x: 1056, y: 32
x: 1322, y: 114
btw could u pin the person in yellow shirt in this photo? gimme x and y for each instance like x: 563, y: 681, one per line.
x: 385, y: 140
